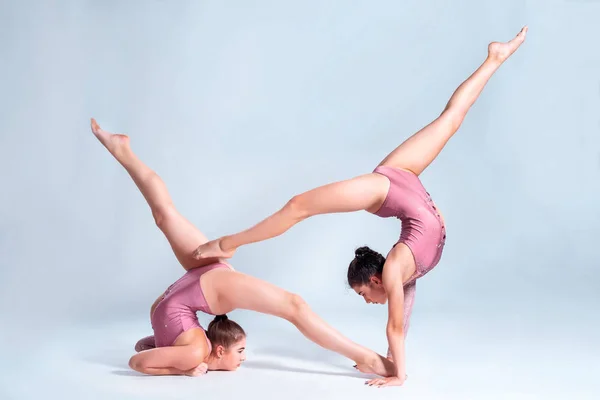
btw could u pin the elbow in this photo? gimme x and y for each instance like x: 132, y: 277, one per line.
x: 297, y: 209
x: 136, y: 363
x: 395, y: 329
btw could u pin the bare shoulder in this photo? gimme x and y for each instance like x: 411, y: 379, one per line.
x: 400, y: 264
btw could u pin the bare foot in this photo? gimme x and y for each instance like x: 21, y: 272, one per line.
x: 379, y: 366
x: 501, y: 51
x: 146, y: 343
x: 115, y: 143
x: 212, y: 249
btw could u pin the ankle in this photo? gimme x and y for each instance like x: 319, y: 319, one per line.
x: 493, y: 61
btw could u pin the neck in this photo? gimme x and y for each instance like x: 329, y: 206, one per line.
x: 214, y: 364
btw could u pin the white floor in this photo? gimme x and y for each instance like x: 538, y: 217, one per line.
x: 448, y: 358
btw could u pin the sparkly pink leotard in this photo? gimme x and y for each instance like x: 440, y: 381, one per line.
x: 423, y: 230
x: 176, y: 311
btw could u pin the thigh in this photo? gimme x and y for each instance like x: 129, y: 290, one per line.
x: 418, y: 151
x: 237, y: 290
x: 363, y: 192
x: 183, y: 237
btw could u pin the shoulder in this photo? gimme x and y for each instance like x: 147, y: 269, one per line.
x: 399, y: 263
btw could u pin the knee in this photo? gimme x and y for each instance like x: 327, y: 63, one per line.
x: 161, y: 214
x: 453, y: 117
x: 297, y: 308
x: 296, y: 207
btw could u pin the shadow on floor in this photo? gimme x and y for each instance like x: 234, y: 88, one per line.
x: 280, y: 366
x: 119, y: 358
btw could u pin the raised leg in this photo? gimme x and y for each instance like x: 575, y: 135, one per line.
x: 183, y: 237
x: 365, y: 192
x: 418, y: 151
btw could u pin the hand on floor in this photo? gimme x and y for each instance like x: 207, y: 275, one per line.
x: 390, y: 381
x: 199, y: 370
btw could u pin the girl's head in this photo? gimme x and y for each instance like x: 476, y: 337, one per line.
x: 364, y: 275
x: 228, y: 341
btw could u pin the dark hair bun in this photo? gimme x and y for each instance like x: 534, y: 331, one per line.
x: 367, y: 263
x: 223, y: 331
x: 362, y: 252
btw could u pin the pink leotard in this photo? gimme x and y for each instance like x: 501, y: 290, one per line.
x: 176, y: 311
x: 423, y: 230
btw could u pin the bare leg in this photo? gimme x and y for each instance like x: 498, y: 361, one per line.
x: 365, y: 192
x: 237, y: 290
x: 181, y: 234
x: 419, y: 150
x: 368, y: 191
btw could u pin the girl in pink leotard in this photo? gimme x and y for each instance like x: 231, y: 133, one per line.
x: 179, y: 344
x: 393, y: 189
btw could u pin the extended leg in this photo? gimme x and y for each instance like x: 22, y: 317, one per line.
x: 246, y: 292
x: 183, y: 237
x: 418, y: 151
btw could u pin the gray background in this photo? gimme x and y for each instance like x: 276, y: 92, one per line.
x: 239, y: 106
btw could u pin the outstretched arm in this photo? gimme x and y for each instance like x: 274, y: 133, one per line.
x: 409, y: 299
x: 359, y: 193
x: 397, y: 266
x: 395, y: 326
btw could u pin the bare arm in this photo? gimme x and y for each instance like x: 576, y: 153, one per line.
x: 394, y: 330
x: 169, y: 360
x: 409, y: 299
x: 360, y: 193
x: 393, y: 272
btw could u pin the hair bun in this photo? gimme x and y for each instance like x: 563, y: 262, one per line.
x: 362, y: 251
x: 222, y: 317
